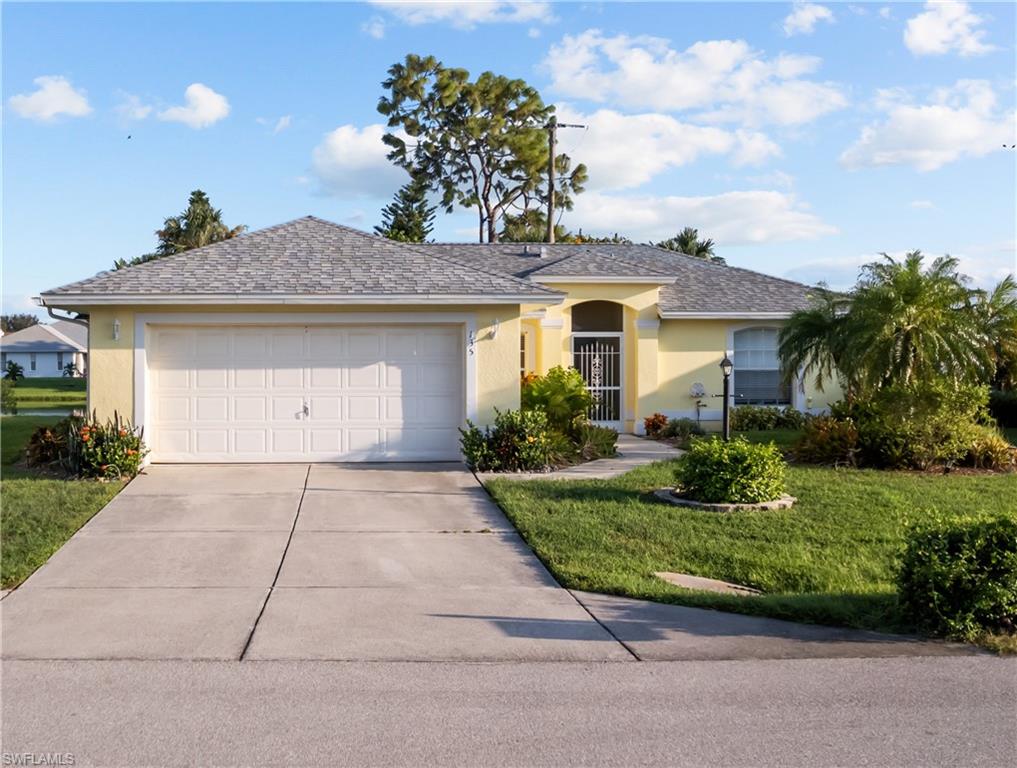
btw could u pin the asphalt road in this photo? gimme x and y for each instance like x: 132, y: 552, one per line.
x: 948, y: 711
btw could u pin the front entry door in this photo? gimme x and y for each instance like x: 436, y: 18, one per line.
x: 598, y: 358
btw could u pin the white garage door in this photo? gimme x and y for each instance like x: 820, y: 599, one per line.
x: 316, y: 393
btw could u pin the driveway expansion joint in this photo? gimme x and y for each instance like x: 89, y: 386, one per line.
x: 278, y: 570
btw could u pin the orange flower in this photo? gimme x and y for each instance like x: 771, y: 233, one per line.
x: 131, y: 451
x: 123, y: 433
x: 103, y: 467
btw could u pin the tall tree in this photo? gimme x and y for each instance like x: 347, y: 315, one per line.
x: 408, y: 218
x: 199, y: 224
x: 687, y: 241
x: 482, y: 143
x: 12, y: 323
x: 529, y: 226
x: 903, y: 324
x: 997, y: 315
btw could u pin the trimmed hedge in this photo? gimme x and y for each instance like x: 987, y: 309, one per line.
x: 960, y: 579
x: 736, y: 472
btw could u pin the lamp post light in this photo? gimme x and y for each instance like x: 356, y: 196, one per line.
x: 726, y: 366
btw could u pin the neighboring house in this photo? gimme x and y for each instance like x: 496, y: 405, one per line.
x: 314, y: 341
x: 44, y: 350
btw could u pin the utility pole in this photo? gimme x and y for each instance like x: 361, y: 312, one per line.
x: 552, y: 138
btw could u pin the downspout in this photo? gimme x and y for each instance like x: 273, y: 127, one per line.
x: 88, y: 345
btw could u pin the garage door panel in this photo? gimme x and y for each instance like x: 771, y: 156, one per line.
x: 221, y: 393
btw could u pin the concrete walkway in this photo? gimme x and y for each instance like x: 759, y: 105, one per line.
x: 632, y: 452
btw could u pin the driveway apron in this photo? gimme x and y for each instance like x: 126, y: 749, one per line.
x: 297, y: 561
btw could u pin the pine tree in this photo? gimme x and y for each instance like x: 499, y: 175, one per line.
x: 408, y: 218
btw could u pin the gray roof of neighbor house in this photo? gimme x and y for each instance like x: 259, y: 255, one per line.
x: 307, y: 257
x: 316, y: 259
x: 61, y: 336
x: 699, y: 287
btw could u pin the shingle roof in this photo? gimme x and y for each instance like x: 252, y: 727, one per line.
x: 306, y: 257
x: 312, y: 257
x: 60, y: 336
x: 700, y: 286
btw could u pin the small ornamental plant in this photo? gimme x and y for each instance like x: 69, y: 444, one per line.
x: 654, y: 424
x: 735, y: 472
x: 109, y: 450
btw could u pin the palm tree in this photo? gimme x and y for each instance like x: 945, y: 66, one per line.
x: 687, y: 241
x: 997, y: 315
x: 908, y: 324
x: 813, y: 340
x: 200, y: 224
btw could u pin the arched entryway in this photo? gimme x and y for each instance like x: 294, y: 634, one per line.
x: 597, y: 349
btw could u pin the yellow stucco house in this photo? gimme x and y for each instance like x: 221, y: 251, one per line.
x: 314, y: 341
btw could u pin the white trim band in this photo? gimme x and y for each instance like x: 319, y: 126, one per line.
x: 668, y: 315
x: 168, y: 299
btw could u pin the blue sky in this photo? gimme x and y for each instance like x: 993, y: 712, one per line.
x: 803, y: 137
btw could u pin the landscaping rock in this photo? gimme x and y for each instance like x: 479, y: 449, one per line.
x: 688, y: 581
x: 668, y: 495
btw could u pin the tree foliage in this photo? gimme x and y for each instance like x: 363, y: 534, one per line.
x: 687, y: 241
x: 199, y: 224
x: 408, y: 218
x: 17, y: 322
x: 905, y: 324
x: 481, y: 142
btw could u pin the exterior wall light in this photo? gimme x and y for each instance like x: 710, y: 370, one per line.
x: 116, y: 330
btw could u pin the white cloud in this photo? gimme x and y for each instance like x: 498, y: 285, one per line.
x: 959, y: 121
x: 55, y: 96
x: 730, y: 218
x: 803, y: 18
x: 886, y: 12
x: 352, y: 162
x: 374, y: 27
x: 132, y: 108
x: 203, y: 107
x: 923, y: 205
x: 466, y: 14
x: 624, y: 151
x: 724, y: 79
x: 946, y: 26
x: 278, y: 125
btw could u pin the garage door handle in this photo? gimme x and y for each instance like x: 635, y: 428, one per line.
x: 307, y: 410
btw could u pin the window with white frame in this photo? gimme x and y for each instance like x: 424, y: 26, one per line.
x: 758, y: 379
x: 522, y: 354
x: 3, y: 359
x: 31, y: 361
x: 60, y: 361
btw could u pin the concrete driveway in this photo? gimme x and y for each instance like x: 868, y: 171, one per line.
x: 365, y: 562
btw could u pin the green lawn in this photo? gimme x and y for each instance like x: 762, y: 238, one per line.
x: 828, y: 560
x: 32, y: 394
x: 38, y: 513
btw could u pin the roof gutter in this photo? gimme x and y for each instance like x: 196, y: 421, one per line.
x: 604, y: 279
x: 666, y: 315
x: 65, y: 300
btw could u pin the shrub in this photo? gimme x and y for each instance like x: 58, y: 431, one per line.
x: 13, y: 371
x: 108, y: 449
x: 1003, y: 407
x: 593, y: 442
x: 562, y: 394
x: 654, y: 424
x: 48, y: 445
x: 8, y: 402
x: 736, y: 472
x: 961, y: 578
x: 682, y: 430
x: 561, y: 449
x: 747, y: 418
x: 990, y: 450
x: 520, y: 441
x: 827, y: 440
x: 917, y: 427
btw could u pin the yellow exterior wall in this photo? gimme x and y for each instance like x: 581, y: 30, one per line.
x: 111, y: 363
x: 663, y: 358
